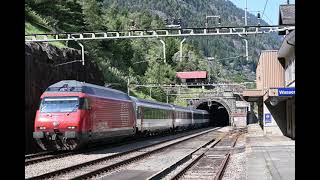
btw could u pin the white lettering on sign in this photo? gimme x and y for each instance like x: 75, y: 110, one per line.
x: 286, y: 92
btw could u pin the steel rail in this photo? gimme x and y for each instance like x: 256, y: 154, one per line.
x: 85, y: 164
x: 130, y: 160
x: 45, y: 156
x: 30, y: 156
x: 167, y: 170
x: 190, y: 164
x: 225, y: 161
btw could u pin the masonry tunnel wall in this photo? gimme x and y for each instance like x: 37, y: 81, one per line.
x: 219, y: 115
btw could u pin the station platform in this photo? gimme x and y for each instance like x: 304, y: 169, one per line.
x: 269, y: 157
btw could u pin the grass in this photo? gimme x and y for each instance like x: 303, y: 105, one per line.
x: 31, y: 28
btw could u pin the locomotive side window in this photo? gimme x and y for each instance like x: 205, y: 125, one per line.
x: 59, y: 104
x: 84, y: 103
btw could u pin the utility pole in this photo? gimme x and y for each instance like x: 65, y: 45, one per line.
x: 181, y: 48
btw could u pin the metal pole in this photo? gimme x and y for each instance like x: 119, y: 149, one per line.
x: 82, y: 50
x: 181, y: 48
x: 209, y: 71
x: 247, y: 53
x: 246, y: 42
x: 128, y: 86
x: 150, y: 92
x: 82, y: 54
x: 245, y: 15
x: 164, y: 50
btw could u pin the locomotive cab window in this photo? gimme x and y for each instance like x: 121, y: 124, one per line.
x: 59, y: 104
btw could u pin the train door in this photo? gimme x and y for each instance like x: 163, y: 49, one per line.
x: 88, y: 117
x: 141, y: 118
x: 173, y: 118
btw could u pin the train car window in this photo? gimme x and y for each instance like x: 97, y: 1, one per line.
x: 153, y: 114
x: 146, y: 112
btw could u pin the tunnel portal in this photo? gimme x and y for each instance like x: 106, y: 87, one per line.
x: 219, y: 115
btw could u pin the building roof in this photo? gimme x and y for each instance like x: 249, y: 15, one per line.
x: 287, y: 47
x: 287, y: 14
x: 192, y: 75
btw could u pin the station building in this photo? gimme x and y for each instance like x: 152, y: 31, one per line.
x: 275, y: 83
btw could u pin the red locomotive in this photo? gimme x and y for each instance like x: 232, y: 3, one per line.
x: 72, y: 114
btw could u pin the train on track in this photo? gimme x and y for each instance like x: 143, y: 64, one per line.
x: 73, y: 114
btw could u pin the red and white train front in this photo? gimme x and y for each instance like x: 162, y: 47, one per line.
x: 60, y: 120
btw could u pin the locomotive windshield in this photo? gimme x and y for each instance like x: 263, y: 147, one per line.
x: 59, y: 104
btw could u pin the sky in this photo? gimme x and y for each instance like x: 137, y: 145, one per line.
x: 271, y: 12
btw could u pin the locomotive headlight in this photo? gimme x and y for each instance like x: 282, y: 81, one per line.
x: 72, y: 127
x: 42, y: 127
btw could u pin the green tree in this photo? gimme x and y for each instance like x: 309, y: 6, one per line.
x: 92, y: 15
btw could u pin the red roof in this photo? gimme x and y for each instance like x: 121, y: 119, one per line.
x: 192, y: 75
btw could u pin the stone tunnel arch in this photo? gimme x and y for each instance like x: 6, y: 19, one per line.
x: 220, y: 111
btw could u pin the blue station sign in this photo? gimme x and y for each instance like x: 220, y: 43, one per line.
x: 267, y: 118
x: 286, y: 91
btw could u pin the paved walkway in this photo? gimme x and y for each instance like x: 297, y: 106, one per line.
x: 269, y: 157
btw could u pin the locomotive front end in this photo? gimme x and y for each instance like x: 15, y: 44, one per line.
x: 57, y: 123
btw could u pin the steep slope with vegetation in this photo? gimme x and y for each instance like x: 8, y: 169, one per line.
x: 222, y: 48
x: 140, y: 60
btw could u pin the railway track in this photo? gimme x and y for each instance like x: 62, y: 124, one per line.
x: 31, y: 156
x: 207, y: 162
x: 95, y: 167
x: 46, y: 156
